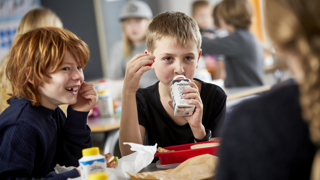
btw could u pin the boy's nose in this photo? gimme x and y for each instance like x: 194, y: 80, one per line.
x: 77, y: 75
x: 178, y: 68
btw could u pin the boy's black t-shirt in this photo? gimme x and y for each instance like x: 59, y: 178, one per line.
x: 161, y: 129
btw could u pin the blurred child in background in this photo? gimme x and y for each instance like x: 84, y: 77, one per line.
x: 135, y: 17
x: 45, y: 69
x: 243, y: 54
x: 202, y: 14
x: 39, y: 17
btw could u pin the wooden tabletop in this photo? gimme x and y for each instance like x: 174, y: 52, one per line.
x: 99, y: 124
x: 235, y: 93
x: 275, y: 67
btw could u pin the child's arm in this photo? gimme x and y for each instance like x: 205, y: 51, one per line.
x: 130, y: 130
x: 75, y: 133
x: 74, y: 136
x: 195, y: 121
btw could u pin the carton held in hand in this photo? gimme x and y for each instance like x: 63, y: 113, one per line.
x: 180, y: 106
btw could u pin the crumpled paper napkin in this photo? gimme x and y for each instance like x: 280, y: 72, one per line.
x: 132, y: 163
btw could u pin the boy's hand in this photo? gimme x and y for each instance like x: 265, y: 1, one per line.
x: 87, y: 98
x: 195, y: 120
x: 138, y: 65
x: 193, y: 96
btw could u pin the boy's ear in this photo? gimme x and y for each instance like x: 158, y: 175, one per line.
x: 200, y: 52
x: 27, y: 73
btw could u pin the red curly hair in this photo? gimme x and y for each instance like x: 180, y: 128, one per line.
x: 37, y: 50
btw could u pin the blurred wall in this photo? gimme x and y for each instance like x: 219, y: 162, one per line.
x: 180, y: 5
x: 78, y: 17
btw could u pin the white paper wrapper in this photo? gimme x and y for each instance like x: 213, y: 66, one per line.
x: 132, y: 163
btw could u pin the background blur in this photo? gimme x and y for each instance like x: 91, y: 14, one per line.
x: 94, y: 21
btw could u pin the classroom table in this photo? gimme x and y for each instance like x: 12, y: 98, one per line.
x: 103, y: 124
x: 110, y: 125
x: 239, y: 92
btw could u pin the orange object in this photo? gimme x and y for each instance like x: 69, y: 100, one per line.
x: 256, y: 27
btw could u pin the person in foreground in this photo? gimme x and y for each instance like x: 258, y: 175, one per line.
x: 45, y: 70
x: 147, y: 115
x: 277, y: 136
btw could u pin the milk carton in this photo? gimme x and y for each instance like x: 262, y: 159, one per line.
x: 91, y: 162
x: 180, y: 106
x: 105, y: 103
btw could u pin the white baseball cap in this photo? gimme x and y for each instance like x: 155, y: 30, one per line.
x: 137, y: 9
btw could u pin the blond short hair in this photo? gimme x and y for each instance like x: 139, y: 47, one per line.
x: 173, y: 24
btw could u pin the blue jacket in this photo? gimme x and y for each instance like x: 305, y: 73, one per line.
x: 33, y: 139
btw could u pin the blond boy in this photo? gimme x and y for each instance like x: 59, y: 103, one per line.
x: 173, y: 42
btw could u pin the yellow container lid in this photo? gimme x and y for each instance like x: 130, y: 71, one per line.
x: 103, y: 92
x: 90, y: 151
x: 98, y: 176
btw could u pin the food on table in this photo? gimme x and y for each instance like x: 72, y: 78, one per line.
x: 162, y: 150
x: 204, y: 145
x: 112, y: 161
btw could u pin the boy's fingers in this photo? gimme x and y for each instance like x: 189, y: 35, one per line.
x: 138, y: 65
x: 170, y: 104
x: 195, y: 102
x: 140, y: 56
x: 89, y: 93
x: 86, y: 88
x: 142, y: 70
x: 92, y: 97
x: 190, y: 96
x: 193, y: 85
x: 190, y: 90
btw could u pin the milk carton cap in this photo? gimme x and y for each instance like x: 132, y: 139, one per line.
x: 179, y: 77
x: 90, y: 151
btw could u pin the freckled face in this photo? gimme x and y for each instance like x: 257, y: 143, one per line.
x: 64, y: 84
x: 174, y: 59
